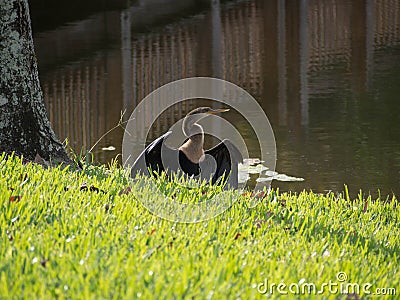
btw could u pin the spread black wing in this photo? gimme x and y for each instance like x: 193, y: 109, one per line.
x: 151, y: 156
x: 227, y: 157
x: 157, y: 156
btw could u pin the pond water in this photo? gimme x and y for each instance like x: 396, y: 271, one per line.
x: 326, y: 73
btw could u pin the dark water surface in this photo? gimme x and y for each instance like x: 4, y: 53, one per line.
x: 327, y: 74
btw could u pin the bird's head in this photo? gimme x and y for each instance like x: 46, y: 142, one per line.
x: 207, y: 110
x: 189, y: 125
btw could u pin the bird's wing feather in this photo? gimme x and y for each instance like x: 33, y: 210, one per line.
x: 157, y: 142
x: 150, y: 157
x: 227, y: 156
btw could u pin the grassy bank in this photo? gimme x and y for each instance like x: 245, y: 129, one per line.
x: 84, y: 235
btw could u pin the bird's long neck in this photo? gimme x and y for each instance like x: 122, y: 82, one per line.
x: 193, y: 147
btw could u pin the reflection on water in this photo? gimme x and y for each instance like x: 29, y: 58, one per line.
x: 326, y: 73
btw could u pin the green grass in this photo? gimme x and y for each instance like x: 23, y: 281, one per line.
x: 84, y: 235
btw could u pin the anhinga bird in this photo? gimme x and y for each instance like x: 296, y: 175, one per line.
x: 217, y: 162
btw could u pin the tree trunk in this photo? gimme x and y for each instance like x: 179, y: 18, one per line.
x: 24, y: 126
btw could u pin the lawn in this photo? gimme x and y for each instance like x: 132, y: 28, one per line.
x: 86, y: 235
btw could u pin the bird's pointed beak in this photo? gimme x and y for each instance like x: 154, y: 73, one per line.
x: 218, y: 110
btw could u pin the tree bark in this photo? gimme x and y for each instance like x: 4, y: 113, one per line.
x: 24, y: 126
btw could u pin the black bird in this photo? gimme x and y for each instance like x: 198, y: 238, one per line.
x: 217, y: 162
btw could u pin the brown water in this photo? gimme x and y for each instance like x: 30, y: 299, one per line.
x: 327, y: 74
